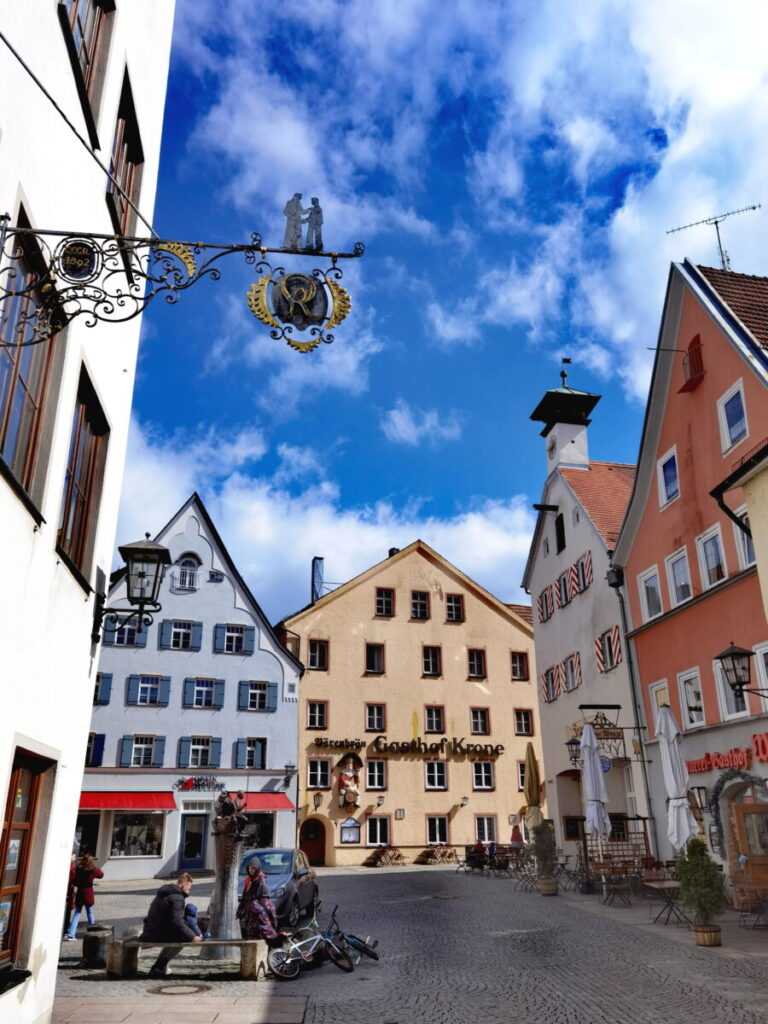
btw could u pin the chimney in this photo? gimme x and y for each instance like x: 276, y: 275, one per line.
x: 393, y: 551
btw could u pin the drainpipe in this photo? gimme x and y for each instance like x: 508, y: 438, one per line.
x: 615, y: 580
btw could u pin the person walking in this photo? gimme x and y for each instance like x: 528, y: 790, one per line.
x: 69, y: 906
x: 86, y: 872
x: 516, y: 842
x: 256, y: 912
x: 165, y: 922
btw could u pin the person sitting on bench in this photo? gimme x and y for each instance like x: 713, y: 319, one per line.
x: 165, y: 922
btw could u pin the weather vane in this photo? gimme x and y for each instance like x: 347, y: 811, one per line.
x: 57, y: 276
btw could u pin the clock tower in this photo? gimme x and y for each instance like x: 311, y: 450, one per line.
x: 565, y: 413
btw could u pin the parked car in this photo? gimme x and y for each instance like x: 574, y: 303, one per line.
x: 292, y: 882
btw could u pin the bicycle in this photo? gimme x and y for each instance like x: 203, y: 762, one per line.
x: 287, y: 962
x: 363, y: 947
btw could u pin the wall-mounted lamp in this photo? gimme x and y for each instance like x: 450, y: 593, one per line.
x: 573, y: 746
x: 380, y: 800
x: 317, y: 799
x: 701, y: 794
x: 736, y: 665
x: 290, y: 770
x: 464, y: 801
x: 145, y: 565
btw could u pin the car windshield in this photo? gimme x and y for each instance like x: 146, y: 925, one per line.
x: 276, y: 863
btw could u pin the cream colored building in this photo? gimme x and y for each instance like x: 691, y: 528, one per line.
x: 416, y: 710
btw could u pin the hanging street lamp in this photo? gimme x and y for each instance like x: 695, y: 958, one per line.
x: 145, y: 566
x: 736, y: 665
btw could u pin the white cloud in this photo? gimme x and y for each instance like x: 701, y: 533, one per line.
x: 404, y: 425
x: 258, y: 516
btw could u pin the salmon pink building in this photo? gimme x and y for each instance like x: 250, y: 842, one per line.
x: 688, y: 560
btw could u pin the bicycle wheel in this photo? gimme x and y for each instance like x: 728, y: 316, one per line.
x: 361, y: 946
x: 282, y: 964
x: 339, y: 956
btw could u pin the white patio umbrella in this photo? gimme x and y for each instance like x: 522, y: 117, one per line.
x: 681, y: 824
x: 597, y: 822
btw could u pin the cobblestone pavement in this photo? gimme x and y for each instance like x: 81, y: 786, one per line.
x: 464, y: 948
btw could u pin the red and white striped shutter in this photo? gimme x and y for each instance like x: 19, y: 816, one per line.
x: 616, y: 645
x: 588, y: 567
x: 551, y: 599
x: 539, y: 601
x: 573, y: 580
x: 599, y: 654
x: 544, y: 695
x: 560, y: 678
x: 577, y: 667
x: 557, y: 593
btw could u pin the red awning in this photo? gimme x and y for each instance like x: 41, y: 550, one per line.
x: 266, y: 802
x: 127, y: 802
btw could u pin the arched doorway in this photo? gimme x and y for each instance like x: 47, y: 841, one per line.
x: 312, y: 841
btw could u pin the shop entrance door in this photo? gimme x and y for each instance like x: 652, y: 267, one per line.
x: 192, y: 848
x: 312, y: 841
x: 86, y: 833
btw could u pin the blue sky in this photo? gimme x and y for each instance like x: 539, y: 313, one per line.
x: 512, y: 169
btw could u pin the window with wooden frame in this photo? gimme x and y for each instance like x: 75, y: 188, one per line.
x: 419, y: 604
x: 476, y: 663
x: 482, y: 775
x: 431, y: 658
x: 523, y: 722
x: 125, y: 165
x: 374, y: 659
x: 318, y: 655
x: 18, y: 834
x: 317, y: 714
x: 385, y: 602
x: 318, y: 773
x: 434, y: 718
x: 480, y: 721
x: 83, y: 478
x: 454, y: 607
x: 375, y: 718
x: 87, y: 27
x: 519, y: 665
x: 25, y: 371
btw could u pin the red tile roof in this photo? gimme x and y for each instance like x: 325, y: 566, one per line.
x: 525, y: 611
x: 604, y: 491
x: 746, y: 295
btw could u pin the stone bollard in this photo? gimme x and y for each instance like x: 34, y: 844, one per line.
x: 95, y: 942
x: 253, y: 959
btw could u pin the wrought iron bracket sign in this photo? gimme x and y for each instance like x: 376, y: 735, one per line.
x: 56, y: 277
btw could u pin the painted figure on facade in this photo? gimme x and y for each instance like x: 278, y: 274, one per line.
x: 348, y: 784
x: 293, y: 212
x: 314, y: 220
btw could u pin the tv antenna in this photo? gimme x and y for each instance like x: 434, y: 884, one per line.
x: 725, y: 261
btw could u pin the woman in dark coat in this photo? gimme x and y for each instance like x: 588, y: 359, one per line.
x: 85, y: 873
x: 256, y: 912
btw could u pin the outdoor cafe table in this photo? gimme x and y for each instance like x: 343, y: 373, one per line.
x: 669, y: 891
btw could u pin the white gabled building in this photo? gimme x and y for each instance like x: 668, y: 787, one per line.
x: 204, y: 699
x: 64, y: 413
x: 580, y: 653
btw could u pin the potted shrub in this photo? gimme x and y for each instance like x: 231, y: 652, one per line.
x: 545, y: 852
x: 702, y: 891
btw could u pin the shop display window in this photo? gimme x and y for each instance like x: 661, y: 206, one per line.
x: 137, y: 835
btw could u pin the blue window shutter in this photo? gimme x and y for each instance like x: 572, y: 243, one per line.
x: 107, y: 639
x: 197, y: 636
x: 216, y: 752
x: 141, y: 638
x: 133, y: 689
x: 97, y: 751
x: 105, y: 688
x: 189, y: 693
x: 219, y: 632
x: 271, y: 696
x: 158, y: 754
x: 259, y: 758
x: 185, y: 744
x: 218, y: 693
x: 166, y: 631
x: 243, y: 691
x: 249, y: 640
x: 241, y: 753
x: 126, y: 751
x: 165, y: 691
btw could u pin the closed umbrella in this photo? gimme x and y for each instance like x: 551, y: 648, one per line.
x: 681, y: 824
x: 597, y: 822
x: 532, y: 789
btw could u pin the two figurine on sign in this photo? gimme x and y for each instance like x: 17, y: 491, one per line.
x: 295, y: 216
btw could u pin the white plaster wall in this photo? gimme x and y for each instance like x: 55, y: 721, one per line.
x: 46, y: 659
x: 571, y: 629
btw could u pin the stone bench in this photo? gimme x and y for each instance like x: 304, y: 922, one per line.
x: 123, y: 955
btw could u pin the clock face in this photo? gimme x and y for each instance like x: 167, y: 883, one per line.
x: 551, y: 445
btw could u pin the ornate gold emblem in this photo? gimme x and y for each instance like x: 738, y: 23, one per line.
x: 299, y: 301
x: 182, y: 253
